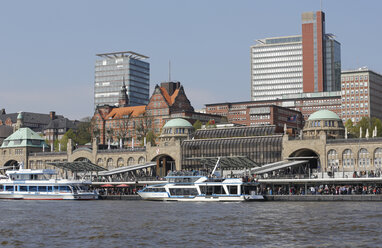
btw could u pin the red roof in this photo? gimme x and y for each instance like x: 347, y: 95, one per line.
x: 170, y: 99
x: 119, y: 113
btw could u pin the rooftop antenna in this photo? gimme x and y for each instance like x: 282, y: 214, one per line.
x: 169, y: 70
x: 321, y: 5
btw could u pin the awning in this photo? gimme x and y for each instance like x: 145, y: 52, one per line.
x: 122, y: 186
x: 227, y: 162
x: 277, y: 166
x: 77, y: 166
x: 126, y: 169
x: 107, y: 186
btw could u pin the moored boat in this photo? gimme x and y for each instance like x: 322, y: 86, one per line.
x: 28, y: 184
x: 200, y: 186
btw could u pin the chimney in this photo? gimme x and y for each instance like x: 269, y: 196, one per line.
x: 52, y: 115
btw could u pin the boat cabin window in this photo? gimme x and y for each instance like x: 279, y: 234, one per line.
x: 33, y: 188
x: 232, y: 190
x: 42, y: 188
x: 9, y: 188
x: 23, y: 188
x: 184, y: 191
x: 65, y: 189
x: 212, y: 190
x: 1, y: 187
x: 154, y: 190
x: 183, y: 179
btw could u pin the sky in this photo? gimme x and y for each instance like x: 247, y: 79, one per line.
x: 47, y: 48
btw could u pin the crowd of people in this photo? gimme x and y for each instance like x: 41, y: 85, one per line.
x: 323, y: 190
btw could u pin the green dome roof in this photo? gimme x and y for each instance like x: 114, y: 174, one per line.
x: 323, y: 115
x: 22, y: 138
x: 178, y: 122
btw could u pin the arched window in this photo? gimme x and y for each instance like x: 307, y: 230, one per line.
x: 130, y: 161
x: 141, y: 160
x: 378, y: 158
x: 110, y: 163
x: 120, y: 162
x: 333, y: 159
x: 100, y: 162
x: 347, y: 158
x: 363, y: 158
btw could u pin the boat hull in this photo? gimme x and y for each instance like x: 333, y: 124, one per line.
x: 40, y: 196
x: 200, y: 198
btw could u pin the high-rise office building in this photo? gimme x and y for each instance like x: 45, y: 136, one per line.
x: 276, y: 68
x: 113, y: 69
x: 321, y: 55
x: 361, y: 94
x: 305, y: 63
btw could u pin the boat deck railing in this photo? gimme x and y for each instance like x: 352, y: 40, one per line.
x: 187, y: 173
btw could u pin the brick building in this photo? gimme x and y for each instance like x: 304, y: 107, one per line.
x: 305, y: 103
x: 361, y: 92
x: 131, y: 124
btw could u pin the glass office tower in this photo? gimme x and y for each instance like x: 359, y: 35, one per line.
x: 113, y: 69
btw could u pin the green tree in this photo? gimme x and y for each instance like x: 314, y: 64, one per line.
x: 350, y: 128
x: 144, y: 126
x: 375, y: 122
x: 83, y: 133
x: 64, y: 140
x: 151, y: 137
x: 197, y: 125
x: 364, y: 123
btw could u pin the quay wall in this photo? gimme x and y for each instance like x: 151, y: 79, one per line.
x: 120, y: 197
x: 323, y: 197
x: 307, y: 198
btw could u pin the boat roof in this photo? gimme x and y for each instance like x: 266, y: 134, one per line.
x: 30, y: 171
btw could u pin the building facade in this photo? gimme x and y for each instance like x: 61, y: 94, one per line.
x: 305, y: 63
x: 113, y: 69
x: 132, y: 123
x: 305, y: 103
x: 361, y: 92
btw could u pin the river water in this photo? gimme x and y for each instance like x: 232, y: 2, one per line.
x: 177, y: 224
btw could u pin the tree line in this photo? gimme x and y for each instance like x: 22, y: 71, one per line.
x: 365, y: 125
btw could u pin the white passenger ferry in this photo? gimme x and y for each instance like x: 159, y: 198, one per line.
x: 198, y: 186
x: 27, y: 184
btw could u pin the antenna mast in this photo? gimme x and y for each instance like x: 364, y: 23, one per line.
x: 169, y: 70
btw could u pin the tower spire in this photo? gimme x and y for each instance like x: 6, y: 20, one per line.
x: 123, y: 97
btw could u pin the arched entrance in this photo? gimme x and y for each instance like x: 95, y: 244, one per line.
x: 307, y: 154
x: 165, y: 163
x: 82, y: 159
x: 11, y: 164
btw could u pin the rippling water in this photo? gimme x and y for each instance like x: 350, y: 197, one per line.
x: 177, y: 224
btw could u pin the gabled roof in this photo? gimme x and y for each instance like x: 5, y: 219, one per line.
x: 29, y: 117
x: 119, y: 113
x: 24, y: 137
x: 170, y: 99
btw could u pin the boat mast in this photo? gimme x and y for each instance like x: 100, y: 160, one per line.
x: 216, y: 166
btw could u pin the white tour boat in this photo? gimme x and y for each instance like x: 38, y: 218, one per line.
x: 197, y: 186
x: 27, y: 184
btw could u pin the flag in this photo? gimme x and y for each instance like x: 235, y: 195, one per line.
x: 292, y: 118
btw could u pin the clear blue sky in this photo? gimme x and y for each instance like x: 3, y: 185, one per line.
x: 48, y: 47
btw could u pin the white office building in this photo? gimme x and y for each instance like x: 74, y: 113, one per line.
x: 276, y: 68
